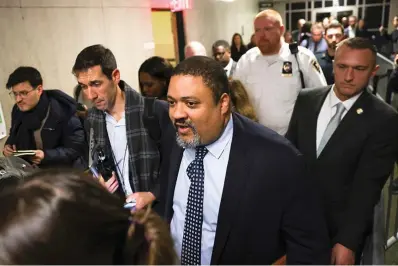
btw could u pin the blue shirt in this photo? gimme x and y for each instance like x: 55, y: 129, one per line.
x: 118, y: 139
x: 215, y: 166
x: 315, y: 48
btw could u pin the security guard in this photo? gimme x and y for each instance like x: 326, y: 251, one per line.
x: 274, y: 73
x: 334, y: 34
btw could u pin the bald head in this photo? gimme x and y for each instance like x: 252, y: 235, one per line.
x: 300, y: 23
x: 194, y: 48
x: 270, y: 14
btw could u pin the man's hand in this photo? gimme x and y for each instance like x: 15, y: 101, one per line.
x: 342, y: 255
x: 8, y: 150
x: 142, y: 199
x: 111, y: 185
x: 38, y: 157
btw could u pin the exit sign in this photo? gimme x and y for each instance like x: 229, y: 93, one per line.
x: 179, y: 5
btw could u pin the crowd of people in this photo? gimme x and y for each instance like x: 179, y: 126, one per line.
x: 271, y: 153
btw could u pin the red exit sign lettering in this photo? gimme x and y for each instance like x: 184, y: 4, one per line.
x: 179, y: 5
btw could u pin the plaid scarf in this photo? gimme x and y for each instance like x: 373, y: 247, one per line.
x: 144, y: 157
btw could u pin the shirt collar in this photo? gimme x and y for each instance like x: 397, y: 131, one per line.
x: 283, y: 54
x: 229, y: 66
x: 333, y: 100
x: 218, y: 147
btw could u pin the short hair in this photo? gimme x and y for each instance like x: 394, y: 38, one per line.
x: 317, y: 26
x: 334, y: 25
x: 95, y: 55
x: 23, y: 74
x: 359, y: 43
x: 159, y: 68
x: 64, y: 217
x: 271, y: 13
x: 211, y: 71
x: 222, y: 43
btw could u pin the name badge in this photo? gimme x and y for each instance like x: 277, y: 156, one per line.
x: 287, y: 70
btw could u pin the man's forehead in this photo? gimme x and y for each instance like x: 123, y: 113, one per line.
x: 334, y: 31
x: 185, y: 83
x: 220, y: 47
x: 265, y: 20
x: 363, y: 60
x: 90, y: 73
x: 22, y: 86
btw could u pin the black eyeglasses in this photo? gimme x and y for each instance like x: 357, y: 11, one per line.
x: 22, y: 94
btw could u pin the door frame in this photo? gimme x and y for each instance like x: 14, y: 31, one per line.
x: 334, y: 10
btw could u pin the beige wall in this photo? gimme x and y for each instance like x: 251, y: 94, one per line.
x: 48, y: 34
x: 210, y: 20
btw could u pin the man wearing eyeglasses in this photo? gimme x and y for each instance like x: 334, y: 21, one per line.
x: 222, y: 53
x: 44, y: 121
x: 334, y: 34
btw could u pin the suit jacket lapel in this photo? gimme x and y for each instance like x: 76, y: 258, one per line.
x: 236, y: 179
x: 319, y: 99
x: 351, y: 120
x: 175, y: 162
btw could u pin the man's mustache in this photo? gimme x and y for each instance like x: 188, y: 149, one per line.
x: 183, y: 123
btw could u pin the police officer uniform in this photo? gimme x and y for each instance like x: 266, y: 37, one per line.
x: 326, y: 63
x: 273, y: 82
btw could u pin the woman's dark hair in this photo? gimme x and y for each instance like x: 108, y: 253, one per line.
x: 158, y: 68
x: 63, y: 217
x: 241, y: 40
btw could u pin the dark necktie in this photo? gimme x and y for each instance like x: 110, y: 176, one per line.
x: 191, y: 240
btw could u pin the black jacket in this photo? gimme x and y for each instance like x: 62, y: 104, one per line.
x: 263, y: 170
x: 353, y: 167
x: 62, y: 134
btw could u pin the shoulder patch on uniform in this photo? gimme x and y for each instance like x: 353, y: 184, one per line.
x: 315, y: 65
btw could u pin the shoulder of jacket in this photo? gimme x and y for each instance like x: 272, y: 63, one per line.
x: 305, y: 53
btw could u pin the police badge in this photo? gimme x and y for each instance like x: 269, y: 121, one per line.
x: 287, y: 70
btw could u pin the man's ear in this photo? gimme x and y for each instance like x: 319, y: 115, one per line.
x: 375, y: 69
x: 225, y: 102
x: 39, y: 89
x: 116, y: 76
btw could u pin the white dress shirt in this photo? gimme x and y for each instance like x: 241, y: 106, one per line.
x: 328, y: 110
x: 229, y: 67
x: 272, y: 93
x: 118, y: 139
x: 351, y: 32
x: 215, y: 166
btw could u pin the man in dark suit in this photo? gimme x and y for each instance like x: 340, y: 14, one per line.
x: 349, y: 141
x: 222, y: 53
x: 236, y: 191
